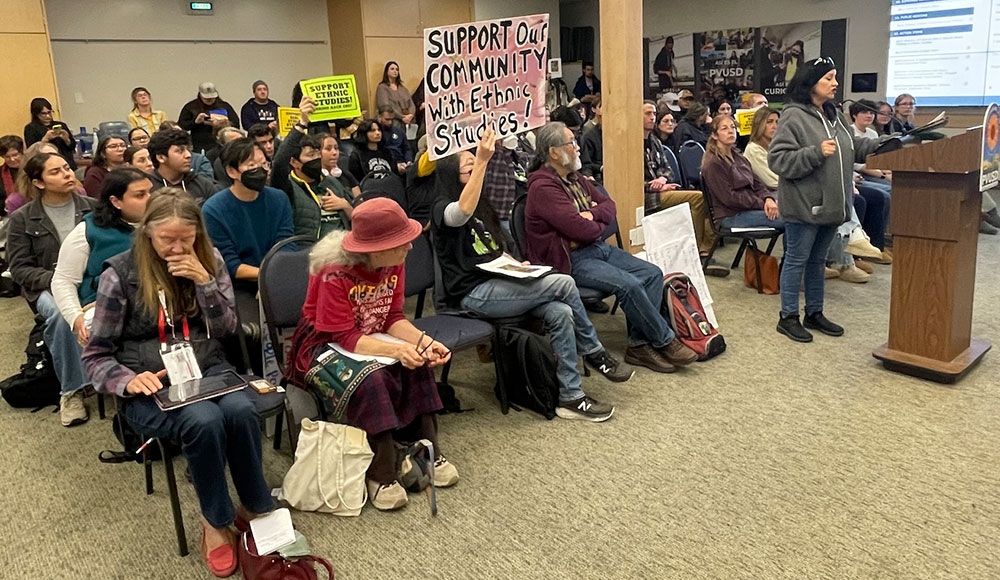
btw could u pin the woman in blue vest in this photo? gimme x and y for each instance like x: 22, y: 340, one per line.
x: 105, y: 232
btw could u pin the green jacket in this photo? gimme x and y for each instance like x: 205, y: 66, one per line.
x: 307, y: 216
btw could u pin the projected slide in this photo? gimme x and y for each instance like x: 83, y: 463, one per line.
x: 945, y: 52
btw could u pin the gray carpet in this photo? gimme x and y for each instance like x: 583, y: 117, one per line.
x: 776, y: 460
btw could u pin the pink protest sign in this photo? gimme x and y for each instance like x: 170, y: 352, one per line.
x: 484, y: 74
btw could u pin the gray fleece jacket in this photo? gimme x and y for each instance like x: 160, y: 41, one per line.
x: 813, y: 188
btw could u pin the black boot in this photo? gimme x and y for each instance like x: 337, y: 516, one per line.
x: 790, y: 327
x: 817, y: 321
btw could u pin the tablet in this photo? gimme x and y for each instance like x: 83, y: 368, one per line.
x: 183, y: 394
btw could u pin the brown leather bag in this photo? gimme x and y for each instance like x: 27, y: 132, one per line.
x: 766, y: 281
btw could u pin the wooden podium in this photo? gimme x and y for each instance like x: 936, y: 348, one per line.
x: 936, y: 206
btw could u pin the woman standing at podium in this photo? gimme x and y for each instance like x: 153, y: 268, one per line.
x: 813, y: 153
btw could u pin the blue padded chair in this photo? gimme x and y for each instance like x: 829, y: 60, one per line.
x: 689, y: 156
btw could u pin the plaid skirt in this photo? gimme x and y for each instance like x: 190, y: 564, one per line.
x: 370, y: 395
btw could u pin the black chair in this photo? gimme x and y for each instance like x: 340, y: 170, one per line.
x: 675, y: 166
x: 383, y: 184
x: 284, y: 279
x: 746, y: 238
x: 518, y: 232
x: 689, y: 155
x: 456, y: 332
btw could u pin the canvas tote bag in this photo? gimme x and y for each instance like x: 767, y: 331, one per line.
x: 329, y: 471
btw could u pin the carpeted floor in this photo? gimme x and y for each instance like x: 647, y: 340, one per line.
x: 776, y: 460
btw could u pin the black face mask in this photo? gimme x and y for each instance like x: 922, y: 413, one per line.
x: 254, y: 179
x: 313, y: 169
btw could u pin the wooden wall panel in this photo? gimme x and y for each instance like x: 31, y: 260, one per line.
x: 444, y: 12
x: 28, y: 70
x: 408, y: 52
x: 347, y: 43
x: 391, y: 18
x: 22, y: 16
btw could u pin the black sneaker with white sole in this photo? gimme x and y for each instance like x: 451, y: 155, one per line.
x: 609, y: 366
x: 585, y: 409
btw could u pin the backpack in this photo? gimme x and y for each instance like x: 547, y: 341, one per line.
x: 682, y: 309
x: 35, y: 386
x: 526, y: 371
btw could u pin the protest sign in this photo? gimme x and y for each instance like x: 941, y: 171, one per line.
x: 336, y: 97
x: 744, y: 120
x: 484, y: 74
x: 287, y: 118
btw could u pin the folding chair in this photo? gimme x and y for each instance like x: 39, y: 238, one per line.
x: 746, y: 238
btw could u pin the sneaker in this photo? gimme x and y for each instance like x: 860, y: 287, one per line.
x: 649, y: 357
x: 854, y: 274
x: 828, y: 273
x: 608, y: 366
x: 817, y: 321
x: 386, y: 496
x: 986, y: 228
x: 992, y: 217
x: 678, y: 354
x: 712, y: 268
x: 860, y: 246
x: 790, y: 327
x: 599, y: 307
x: 72, y: 411
x: 585, y: 409
x: 445, y: 474
x: 864, y: 266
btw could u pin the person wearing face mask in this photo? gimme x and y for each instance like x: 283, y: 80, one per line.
x: 246, y: 219
x: 321, y: 201
x: 565, y: 220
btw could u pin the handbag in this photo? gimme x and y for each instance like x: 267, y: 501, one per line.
x: 328, y: 474
x: 275, y: 566
x: 760, y: 271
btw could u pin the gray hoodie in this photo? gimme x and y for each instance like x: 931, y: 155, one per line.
x: 813, y: 188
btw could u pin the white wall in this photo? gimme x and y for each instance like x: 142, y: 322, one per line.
x: 104, y: 48
x: 867, y: 25
x: 493, y: 9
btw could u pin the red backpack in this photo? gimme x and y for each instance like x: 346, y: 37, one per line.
x: 682, y: 309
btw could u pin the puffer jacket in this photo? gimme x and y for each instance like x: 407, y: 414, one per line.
x: 813, y: 188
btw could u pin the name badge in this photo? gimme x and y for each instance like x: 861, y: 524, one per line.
x: 180, y: 362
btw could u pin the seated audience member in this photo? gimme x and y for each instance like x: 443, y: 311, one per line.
x: 753, y: 101
x: 570, y: 117
x: 392, y: 94
x: 588, y: 87
x: 882, y: 118
x: 369, y: 155
x: 723, y: 107
x: 170, y: 152
x: 500, y: 185
x: 663, y: 190
x: 565, y: 219
x: 264, y: 136
x: 138, y: 157
x: 291, y: 148
x: 110, y: 155
x: 394, y: 140
x: 138, y: 137
x: 203, y: 114
x: 665, y: 127
x: 467, y: 233
x: 592, y: 144
x: 902, y: 120
x: 259, y: 108
x: 12, y: 151
x: 200, y: 164
x: 762, y: 128
x: 24, y: 190
x: 693, y: 127
x: 331, y: 164
x: 246, y: 219
x: 223, y: 136
x: 356, y: 282
x: 142, y: 115
x: 173, y: 258
x: 420, y: 190
x: 33, y: 240
x: 740, y: 198
x: 103, y: 233
x: 320, y: 203
x: 595, y: 105
x: 43, y: 128
x: 685, y: 99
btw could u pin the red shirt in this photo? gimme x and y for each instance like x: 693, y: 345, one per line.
x: 343, y: 303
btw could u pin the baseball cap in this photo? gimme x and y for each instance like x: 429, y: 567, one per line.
x: 207, y: 90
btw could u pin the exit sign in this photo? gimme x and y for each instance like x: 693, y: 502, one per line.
x: 201, y: 8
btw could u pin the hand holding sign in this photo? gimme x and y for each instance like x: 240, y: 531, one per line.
x: 306, y: 107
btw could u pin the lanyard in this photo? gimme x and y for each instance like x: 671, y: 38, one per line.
x: 163, y: 320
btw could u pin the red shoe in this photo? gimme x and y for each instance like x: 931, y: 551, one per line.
x: 221, y: 561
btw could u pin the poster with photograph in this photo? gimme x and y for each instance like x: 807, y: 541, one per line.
x: 726, y: 64
x: 671, y: 62
x: 784, y: 48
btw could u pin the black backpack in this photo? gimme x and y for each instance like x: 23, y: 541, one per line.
x: 35, y: 386
x: 526, y: 367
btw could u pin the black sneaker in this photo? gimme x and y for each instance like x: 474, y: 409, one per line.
x: 598, y: 307
x: 817, y: 321
x: 607, y: 365
x: 790, y: 327
x: 585, y: 409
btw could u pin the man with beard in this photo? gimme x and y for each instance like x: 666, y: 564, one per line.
x: 565, y: 220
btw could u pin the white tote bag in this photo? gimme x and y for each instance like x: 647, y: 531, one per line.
x: 329, y: 471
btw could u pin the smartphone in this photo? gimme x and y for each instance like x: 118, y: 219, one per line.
x: 263, y: 386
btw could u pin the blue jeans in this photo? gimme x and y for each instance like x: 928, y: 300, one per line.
x: 877, y: 208
x: 637, y: 284
x: 211, y: 434
x: 806, y: 246
x: 554, y: 299
x: 754, y: 218
x: 66, y: 352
